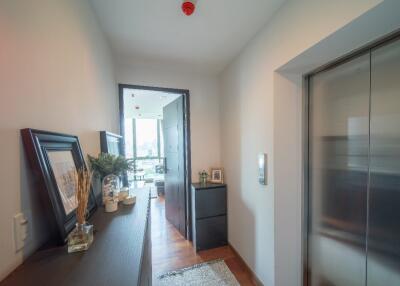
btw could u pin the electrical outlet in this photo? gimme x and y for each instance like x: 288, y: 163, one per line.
x: 21, y: 231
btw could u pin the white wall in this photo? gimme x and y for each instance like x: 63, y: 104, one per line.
x: 261, y: 111
x: 56, y: 74
x: 204, y: 104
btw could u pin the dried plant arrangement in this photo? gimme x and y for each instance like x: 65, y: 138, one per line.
x: 81, y: 237
x: 83, y: 180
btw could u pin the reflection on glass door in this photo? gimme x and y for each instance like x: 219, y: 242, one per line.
x: 383, y: 267
x: 338, y: 174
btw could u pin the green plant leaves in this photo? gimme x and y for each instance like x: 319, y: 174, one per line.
x: 106, y: 164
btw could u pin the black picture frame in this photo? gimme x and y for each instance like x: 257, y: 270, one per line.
x: 38, y: 144
x: 111, y: 143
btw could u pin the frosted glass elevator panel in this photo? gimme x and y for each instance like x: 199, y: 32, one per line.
x: 383, y: 266
x: 338, y: 174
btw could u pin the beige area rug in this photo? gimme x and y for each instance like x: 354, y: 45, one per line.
x: 212, y: 273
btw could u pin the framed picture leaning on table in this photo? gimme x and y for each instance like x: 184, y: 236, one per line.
x: 54, y: 159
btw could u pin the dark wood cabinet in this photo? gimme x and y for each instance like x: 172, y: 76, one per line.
x: 120, y: 253
x: 209, y: 216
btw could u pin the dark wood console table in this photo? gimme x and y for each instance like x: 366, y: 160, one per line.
x: 120, y: 253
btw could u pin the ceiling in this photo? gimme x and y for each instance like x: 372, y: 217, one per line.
x: 146, y: 104
x: 158, y: 31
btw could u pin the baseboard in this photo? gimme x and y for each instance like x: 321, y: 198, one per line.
x: 253, y: 277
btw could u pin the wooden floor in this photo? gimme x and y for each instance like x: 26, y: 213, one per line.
x: 171, y: 251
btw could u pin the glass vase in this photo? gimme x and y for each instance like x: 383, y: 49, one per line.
x: 111, y: 185
x: 80, y: 238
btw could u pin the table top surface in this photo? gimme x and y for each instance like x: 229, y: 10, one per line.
x: 114, y: 258
x: 209, y: 185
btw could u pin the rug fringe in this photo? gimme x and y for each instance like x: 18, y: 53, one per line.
x: 180, y: 271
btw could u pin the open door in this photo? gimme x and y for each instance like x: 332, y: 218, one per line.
x: 173, y: 130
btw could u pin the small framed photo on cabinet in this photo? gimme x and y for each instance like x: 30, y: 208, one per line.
x: 217, y: 175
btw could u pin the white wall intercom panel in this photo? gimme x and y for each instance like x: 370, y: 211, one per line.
x: 262, y: 169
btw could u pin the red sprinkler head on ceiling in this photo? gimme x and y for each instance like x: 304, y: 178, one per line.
x: 188, y: 8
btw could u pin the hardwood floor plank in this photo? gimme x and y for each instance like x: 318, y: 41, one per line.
x: 171, y: 251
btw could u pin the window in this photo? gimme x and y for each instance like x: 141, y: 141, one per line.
x: 146, y: 138
x: 128, y: 138
x: 144, y: 143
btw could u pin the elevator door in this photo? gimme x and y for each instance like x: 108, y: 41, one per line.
x: 383, y: 266
x: 338, y: 174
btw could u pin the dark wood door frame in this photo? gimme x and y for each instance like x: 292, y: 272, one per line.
x: 186, y: 135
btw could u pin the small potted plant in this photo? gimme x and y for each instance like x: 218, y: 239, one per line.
x: 203, y: 176
x: 106, y: 164
x: 109, y: 169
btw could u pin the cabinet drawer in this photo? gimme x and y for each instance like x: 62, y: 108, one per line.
x: 211, y: 232
x: 210, y: 202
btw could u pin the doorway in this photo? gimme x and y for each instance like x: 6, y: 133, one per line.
x: 353, y: 172
x: 155, y: 125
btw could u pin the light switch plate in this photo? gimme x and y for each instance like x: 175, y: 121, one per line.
x: 21, y: 231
